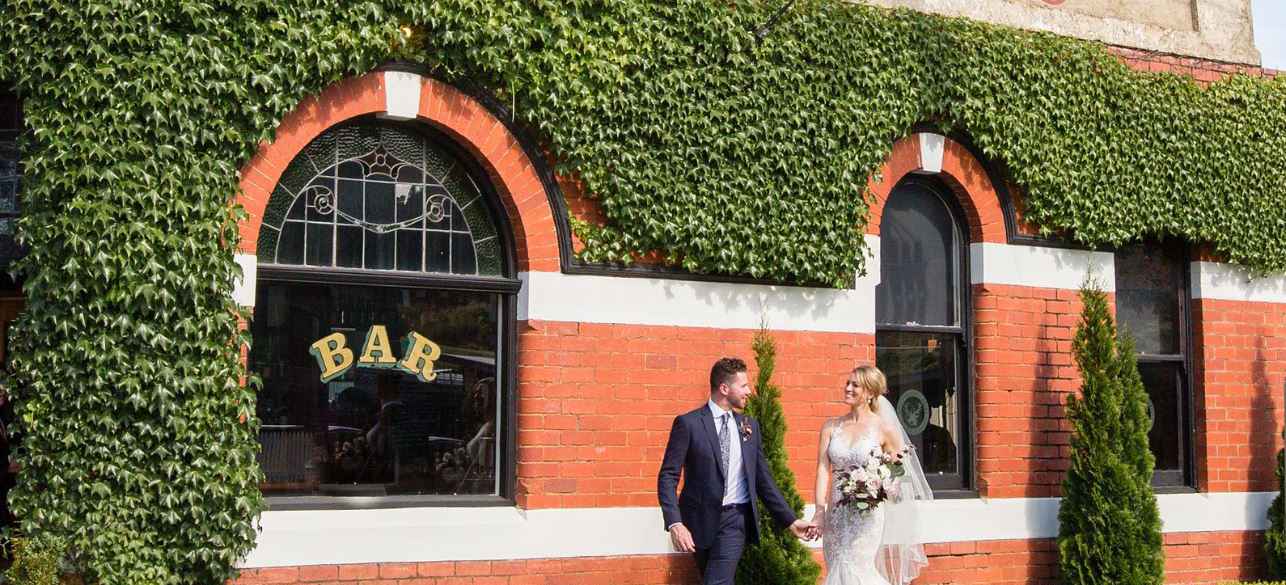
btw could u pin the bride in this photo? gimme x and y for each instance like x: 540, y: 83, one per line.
x: 881, y: 546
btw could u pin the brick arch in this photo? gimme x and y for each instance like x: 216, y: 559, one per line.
x: 408, y: 96
x: 951, y: 162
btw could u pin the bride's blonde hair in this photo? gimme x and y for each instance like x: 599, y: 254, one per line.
x: 871, y: 379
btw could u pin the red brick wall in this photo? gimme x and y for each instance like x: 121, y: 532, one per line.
x: 629, y: 570
x: 1214, y: 557
x: 1191, y: 558
x: 1240, y: 366
x: 596, y: 402
x: 1025, y: 371
x: 1199, y: 69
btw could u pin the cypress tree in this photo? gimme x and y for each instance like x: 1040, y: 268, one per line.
x: 1109, y: 523
x: 1275, y: 538
x: 779, y: 558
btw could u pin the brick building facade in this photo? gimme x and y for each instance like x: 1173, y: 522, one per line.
x: 589, y: 366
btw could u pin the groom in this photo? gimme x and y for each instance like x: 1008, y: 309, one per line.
x: 718, y: 451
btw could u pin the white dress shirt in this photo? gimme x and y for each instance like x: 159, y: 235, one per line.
x: 734, y: 486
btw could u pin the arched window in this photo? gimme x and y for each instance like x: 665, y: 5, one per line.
x: 383, y: 323
x: 1152, y: 298
x: 921, y: 311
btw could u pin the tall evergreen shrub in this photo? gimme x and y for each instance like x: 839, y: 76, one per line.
x: 1109, y: 523
x: 1275, y: 538
x: 779, y: 558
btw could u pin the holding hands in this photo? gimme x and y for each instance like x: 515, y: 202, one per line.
x: 806, y: 530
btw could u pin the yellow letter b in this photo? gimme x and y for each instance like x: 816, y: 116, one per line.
x: 326, y: 350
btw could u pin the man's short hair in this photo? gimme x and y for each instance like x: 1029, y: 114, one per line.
x: 723, y: 371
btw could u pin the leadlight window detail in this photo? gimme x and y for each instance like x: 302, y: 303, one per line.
x: 380, y: 197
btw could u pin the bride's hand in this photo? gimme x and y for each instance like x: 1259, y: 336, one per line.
x: 819, y: 519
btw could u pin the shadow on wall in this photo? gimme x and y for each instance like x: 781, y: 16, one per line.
x: 1263, y: 424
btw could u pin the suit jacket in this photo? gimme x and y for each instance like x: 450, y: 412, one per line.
x: 693, y: 450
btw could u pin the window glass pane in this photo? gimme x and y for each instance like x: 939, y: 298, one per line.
x: 1164, y: 384
x: 462, y: 259
x: 1149, y: 283
x: 10, y: 176
x: 348, y: 247
x: 291, y: 248
x: 409, y: 247
x: 351, y: 198
x: 319, y: 248
x: 379, y: 202
x: 379, y: 251
x: 371, y: 430
x: 919, y: 257
x: 438, y: 251
x: 923, y: 377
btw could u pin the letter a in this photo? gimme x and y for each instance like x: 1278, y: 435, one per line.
x: 326, y: 350
x: 377, y: 352
x: 418, y: 355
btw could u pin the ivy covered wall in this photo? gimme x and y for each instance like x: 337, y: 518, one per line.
x: 727, y: 150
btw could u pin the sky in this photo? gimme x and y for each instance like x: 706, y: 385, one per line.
x: 1270, y: 31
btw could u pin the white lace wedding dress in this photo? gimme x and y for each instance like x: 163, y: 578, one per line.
x: 851, y: 539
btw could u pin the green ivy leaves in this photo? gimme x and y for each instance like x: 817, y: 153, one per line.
x: 733, y: 156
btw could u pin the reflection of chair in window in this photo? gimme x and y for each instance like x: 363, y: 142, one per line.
x: 283, y: 455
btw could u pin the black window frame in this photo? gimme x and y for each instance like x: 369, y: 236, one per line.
x: 506, y: 288
x: 1183, y: 479
x: 961, y: 484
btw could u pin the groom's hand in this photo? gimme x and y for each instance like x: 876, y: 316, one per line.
x: 681, y: 538
x: 804, y: 530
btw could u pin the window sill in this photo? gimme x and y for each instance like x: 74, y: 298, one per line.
x: 955, y: 494
x: 288, y: 503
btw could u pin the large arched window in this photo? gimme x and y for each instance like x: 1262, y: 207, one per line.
x: 921, y: 312
x: 383, y: 323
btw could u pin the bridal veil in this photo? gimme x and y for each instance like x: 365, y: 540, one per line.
x: 901, y: 556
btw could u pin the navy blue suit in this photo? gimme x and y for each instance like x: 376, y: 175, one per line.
x: 719, y: 533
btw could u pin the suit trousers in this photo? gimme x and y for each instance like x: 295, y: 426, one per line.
x: 718, y: 564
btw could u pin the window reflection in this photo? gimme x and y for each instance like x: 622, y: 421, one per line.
x: 918, y: 260
x: 376, y: 431
x: 1148, y: 285
x: 922, y: 380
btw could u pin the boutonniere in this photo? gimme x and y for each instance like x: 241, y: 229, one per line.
x: 746, y: 430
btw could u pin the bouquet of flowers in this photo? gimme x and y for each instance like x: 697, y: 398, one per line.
x: 865, y: 486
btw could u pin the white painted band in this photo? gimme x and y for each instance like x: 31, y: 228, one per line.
x: 292, y: 538
x: 1039, y: 267
x: 401, y: 95
x: 1215, y: 280
x: 554, y: 296
x: 243, y: 290
x: 932, y: 147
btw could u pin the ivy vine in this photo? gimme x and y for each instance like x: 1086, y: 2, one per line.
x: 725, y: 152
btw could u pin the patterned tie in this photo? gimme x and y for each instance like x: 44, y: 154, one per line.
x: 725, y: 448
